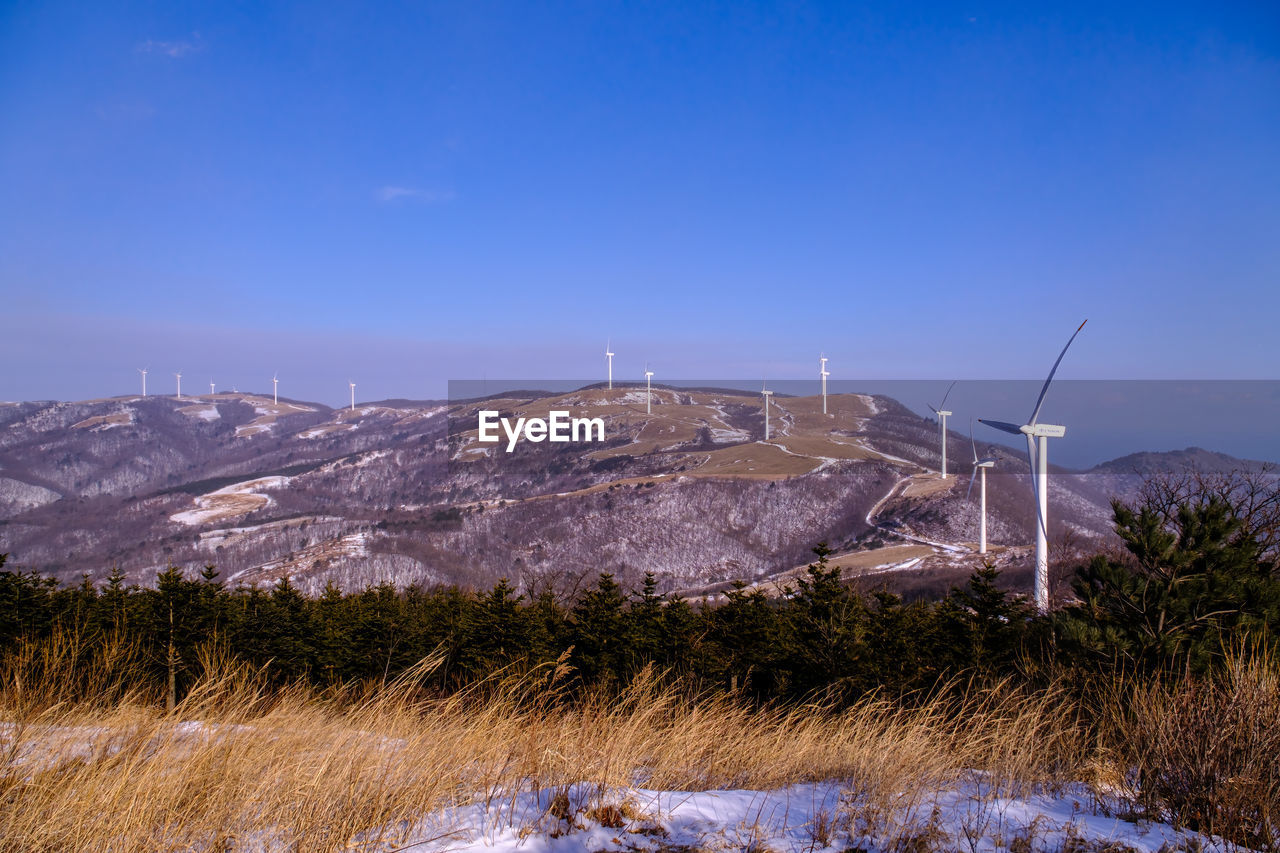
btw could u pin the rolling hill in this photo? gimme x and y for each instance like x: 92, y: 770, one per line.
x: 404, y: 492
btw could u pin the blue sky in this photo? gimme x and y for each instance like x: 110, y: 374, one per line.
x: 401, y: 195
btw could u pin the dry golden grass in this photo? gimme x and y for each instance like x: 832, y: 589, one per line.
x: 823, y: 446
x: 91, y: 766
x: 754, y: 461
x: 931, y: 484
x: 844, y: 412
x: 1207, y: 750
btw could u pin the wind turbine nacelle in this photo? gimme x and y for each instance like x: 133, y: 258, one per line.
x: 985, y: 463
x: 1045, y: 430
x: 945, y: 414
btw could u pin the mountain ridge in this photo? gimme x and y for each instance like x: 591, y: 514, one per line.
x: 400, y: 491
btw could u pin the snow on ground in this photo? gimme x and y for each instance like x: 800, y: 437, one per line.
x: 211, y: 539
x: 253, y: 428
x: 268, y: 413
x: 729, y: 436
x: 894, y: 567
x: 230, y: 501
x: 106, y: 422
x: 973, y: 814
x: 360, y: 460
x: 204, y: 412
x: 353, y: 546
x: 635, y: 397
x: 862, y: 442
x: 808, y: 817
x: 325, y: 429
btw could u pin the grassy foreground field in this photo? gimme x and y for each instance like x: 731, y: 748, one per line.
x: 89, y: 765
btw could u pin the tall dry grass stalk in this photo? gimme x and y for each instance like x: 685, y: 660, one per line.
x: 238, y: 766
x: 1207, y: 750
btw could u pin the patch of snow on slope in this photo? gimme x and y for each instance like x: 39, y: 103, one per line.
x: 230, y: 501
x: 325, y: 429
x: 19, y: 495
x: 207, y: 413
x: 253, y: 428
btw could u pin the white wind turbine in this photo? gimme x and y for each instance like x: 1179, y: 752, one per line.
x: 179, y: 375
x: 980, y: 467
x: 767, y: 395
x: 823, y: 373
x: 942, y: 414
x: 275, y: 388
x: 353, y: 395
x: 608, y: 354
x: 211, y: 386
x: 648, y: 390
x: 1038, y: 460
x: 143, y: 371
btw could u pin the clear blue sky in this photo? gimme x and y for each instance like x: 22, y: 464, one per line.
x: 403, y: 195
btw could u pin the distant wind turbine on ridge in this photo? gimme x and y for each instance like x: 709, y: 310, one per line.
x: 179, y: 375
x: 608, y: 354
x: 766, y: 394
x: 275, y: 388
x: 353, y: 395
x: 942, y: 414
x: 823, y: 373
x: 211, y: 386
x: 980, y: 467
x: 1038, y: 461
x: 648, y: 390
x: 143, y: 371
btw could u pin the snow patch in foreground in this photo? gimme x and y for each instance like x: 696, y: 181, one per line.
x: 810, y: 817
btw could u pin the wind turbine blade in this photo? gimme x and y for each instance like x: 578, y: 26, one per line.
x: 1003, y: 426
x: 931, y: 408
x: 972, y: 444
x: 1045, y: 389
x: 1035, y: 484
x: 973, y: 475
x: 943, y: 404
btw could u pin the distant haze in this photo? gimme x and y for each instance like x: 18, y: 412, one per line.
x: 1105, y: 419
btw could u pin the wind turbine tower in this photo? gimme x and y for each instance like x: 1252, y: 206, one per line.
x: 143, y: 371
x: 1038, y: 462
x: 275, y: 389
x: 608, y: 354
x: 980, y: 467
x: 648, y: 390
x: 766, y: 394
x: 942, y: 414
x: 353, y: 395
x: 210, y: 387
x: 179, y: 375
x: 823, y: 373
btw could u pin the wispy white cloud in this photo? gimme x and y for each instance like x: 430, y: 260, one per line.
x: 172, y: 49
x: 395, y: 193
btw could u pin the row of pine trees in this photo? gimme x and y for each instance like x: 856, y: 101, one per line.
x: 1186, y: 587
